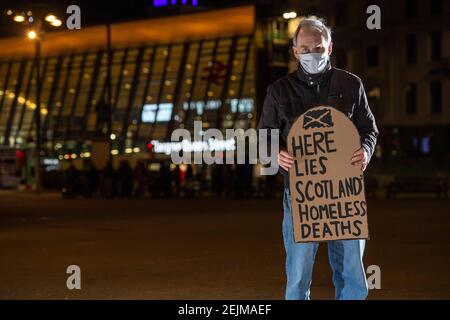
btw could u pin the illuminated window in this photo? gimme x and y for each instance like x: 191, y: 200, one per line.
x: 164, y: 112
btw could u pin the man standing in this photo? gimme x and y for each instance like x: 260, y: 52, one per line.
x: 316, y: 83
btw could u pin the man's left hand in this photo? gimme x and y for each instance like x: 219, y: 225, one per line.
x: 360, y: 158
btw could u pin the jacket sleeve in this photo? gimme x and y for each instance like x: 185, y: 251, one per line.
x: 365, y: 122
x: 269, y: 120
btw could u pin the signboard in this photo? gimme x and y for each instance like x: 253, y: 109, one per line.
x: 51, y: 164
x: 193, y: 146
x: 328, y: 197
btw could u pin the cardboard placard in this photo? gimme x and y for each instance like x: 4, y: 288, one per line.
x: 327, y: 191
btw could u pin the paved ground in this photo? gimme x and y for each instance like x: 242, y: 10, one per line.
x: 201, y: 249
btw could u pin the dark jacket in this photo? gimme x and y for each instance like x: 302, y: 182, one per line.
x: 290, y: 96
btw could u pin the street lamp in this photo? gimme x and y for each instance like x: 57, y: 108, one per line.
x: 53, y: 20
x: 19, y: 18
x: 35, y: 33
x: 50, y: 18
x: 31, y: 34
x: 56, y: 23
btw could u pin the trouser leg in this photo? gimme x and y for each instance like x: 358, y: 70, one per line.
x: 299, y: 258
x: 349, y: 276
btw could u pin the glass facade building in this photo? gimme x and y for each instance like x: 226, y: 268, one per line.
x: 156, y: 87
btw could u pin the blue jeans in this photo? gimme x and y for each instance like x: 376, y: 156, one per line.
x: 345, y: 257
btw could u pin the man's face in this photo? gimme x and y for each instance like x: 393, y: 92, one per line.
x: 311, y: 40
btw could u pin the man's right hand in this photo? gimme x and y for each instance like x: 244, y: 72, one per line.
x: 285, y: 160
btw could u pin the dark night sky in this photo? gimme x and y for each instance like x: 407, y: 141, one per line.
x: 97, y: 12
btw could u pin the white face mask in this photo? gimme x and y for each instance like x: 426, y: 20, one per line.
x: 314, y: 63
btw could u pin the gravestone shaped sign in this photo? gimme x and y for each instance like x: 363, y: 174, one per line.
x: 328, y: 197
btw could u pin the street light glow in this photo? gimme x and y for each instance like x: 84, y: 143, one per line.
x: 50, y: 18
x: 19, y: 18
x: 9, y: 12
x: 289, y: 15
x: 31, y: 34
x: 56, y: 23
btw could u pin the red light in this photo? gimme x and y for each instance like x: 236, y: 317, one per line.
x: 20, y: 154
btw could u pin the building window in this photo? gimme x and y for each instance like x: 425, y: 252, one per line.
x: 244, y: 105
x: 436, y: 45
x: 436, y: 7
x: 161, y: 113
x: 374, y: 97
x: 411, y: 99
x: 411, y: 49
x: 279, y: 30
x: 436, y: 96
x: 411, y: 9
x: 372, y: 56
x: 425, y: 145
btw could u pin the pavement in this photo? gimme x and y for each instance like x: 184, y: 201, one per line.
x: 202, y: 248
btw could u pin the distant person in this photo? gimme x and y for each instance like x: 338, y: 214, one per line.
x: 229, y: 180
x: 71, y: 181
x: 124, y: 179
x: 102, y: 111
x: 107, y: 181
x: 316, y: 83
x: 139, y: 178
x: 176, y: 180
x: 164, y: 187
x: 92, y: 179
x: 189, y: 182
x: 217, y: 181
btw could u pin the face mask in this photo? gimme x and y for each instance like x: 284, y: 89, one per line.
x: 314, y: 63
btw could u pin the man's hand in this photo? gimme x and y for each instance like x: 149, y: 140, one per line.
x: 360, y: 158
x: 285, y: 160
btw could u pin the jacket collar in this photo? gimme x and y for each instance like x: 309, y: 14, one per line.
x: 312, y: 80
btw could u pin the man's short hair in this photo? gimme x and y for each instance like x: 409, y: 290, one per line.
x: 313, y: 22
